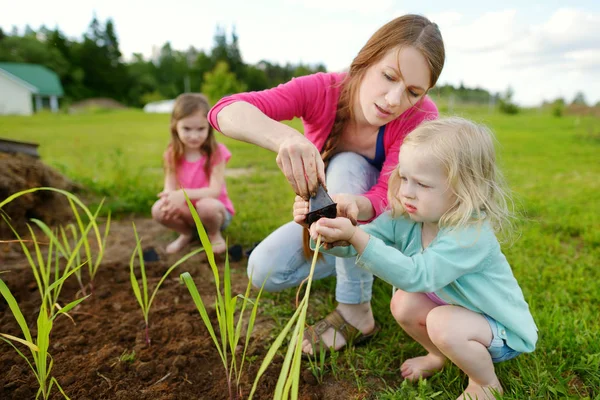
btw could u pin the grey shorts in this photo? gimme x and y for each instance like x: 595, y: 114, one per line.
x: 498, y: 349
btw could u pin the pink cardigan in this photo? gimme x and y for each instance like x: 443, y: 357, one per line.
x: 314, y: 98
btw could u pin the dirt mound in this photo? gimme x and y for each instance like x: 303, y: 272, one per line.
x: 96, y: 103
x: 20, y: 172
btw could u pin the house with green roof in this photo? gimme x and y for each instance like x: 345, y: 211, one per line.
x: 27, y: 88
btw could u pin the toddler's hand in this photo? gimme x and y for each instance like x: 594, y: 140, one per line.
x: 300, y: 211
x: 333, y: 230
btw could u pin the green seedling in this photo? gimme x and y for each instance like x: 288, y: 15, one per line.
x: 226, y: 307
x: 50, y: 278
x: 80, y: 238
x: 141, y: 294
x: 289, y: 376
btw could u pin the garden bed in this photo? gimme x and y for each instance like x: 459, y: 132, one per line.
x: 104, y: 354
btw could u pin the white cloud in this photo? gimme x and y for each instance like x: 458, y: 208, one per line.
x: 554, y: 58
x: 340, y: 6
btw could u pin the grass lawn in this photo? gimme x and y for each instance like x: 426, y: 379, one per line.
x: 550, y: 163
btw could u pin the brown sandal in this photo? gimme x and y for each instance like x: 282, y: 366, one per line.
x: 335, y: 320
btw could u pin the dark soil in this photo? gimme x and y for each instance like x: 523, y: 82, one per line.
x: 20, y: 172
x: 181, y: 363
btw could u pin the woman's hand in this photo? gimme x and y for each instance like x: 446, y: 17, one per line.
x: 333, y: 231
x: 300, y: 211
x: 301, y: 163
x: 346, y: 206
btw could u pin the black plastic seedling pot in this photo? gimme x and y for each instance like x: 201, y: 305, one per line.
x: 320, y: 206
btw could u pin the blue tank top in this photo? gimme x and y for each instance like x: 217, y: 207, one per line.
x: 377, y: 162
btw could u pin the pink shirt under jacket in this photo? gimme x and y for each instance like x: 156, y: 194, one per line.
x: 314, y: 98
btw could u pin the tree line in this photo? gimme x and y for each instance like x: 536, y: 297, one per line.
x: 94, y: 67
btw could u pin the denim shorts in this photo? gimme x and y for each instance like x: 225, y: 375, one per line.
x: 498, y: 349
x: 227, y: 219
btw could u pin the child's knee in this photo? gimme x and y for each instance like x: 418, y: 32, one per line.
x: 401, y: 313
x: 439, y: 328
x: 157, y: 213
x: 208, y: 207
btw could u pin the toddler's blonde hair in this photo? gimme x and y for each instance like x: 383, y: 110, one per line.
x: 466, y: 152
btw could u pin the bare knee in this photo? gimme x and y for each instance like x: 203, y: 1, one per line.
x: 209, y: 209
x: 401, y: 308
x: 439, y: 328
x: 158, y: 214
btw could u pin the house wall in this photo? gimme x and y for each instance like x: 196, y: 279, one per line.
x: 14, y: 98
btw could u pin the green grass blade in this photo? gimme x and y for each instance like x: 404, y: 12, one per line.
x: 203, y: 239
x: 53, y: 238
x: 27, y: 255
x: 53, y: 380
x: 31, y: 345
x: 272, y: 350
x: 100, y: 256
x: 86, y: 244
x: 142, y: 270
x: 61, y: 280
x: 64, y: 193
x: 189, y: 282
x: 166, y: 274
x: 134, y: 282
x: 251, y: 321
x: 16, y: 311
x: 23, y: 356
x: 69, y: 307
x: 284, y: 374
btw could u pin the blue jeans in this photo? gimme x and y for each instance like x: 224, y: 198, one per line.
x: 279, y: 260
x: 498, y: 349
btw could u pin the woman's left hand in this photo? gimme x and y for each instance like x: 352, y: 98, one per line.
x: 346, y: 206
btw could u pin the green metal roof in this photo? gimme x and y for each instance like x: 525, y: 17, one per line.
x: 43, y: 79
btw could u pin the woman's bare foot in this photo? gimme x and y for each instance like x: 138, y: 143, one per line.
x: 218, y: 243
x: 475, y: 391
x: 422, y: 367
x: 179, y: 243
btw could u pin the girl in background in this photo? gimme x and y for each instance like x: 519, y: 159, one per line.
x: 194, y: 162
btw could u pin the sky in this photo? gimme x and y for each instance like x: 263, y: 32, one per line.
x: 542, y: 50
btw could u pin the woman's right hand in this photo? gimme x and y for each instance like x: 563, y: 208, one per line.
x: 301, y: 163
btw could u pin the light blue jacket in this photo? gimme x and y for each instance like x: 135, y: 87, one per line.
x: 463, y: 267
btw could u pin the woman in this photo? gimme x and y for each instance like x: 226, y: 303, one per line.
x: 354, y: 124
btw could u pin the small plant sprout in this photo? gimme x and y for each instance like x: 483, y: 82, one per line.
x: 289, y: 376
x: 225, y: 307
x: 72, y: 254
x: 141, y: 294
x: 50, y: 278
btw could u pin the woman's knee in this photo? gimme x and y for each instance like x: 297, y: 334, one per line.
x: 260, y: 272
x: 350, y: 172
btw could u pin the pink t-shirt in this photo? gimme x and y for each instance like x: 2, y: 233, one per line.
x: 314, y: 98
x: 190, y: 175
